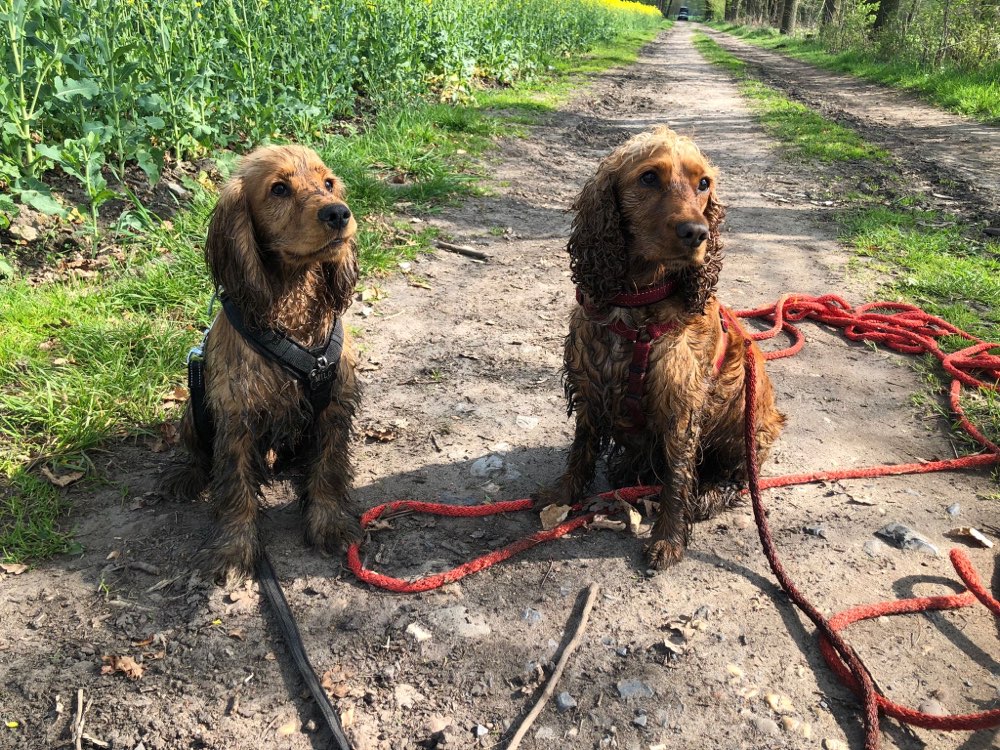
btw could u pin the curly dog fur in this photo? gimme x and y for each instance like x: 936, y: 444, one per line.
x: 649, y: 214
x: 281, y: 245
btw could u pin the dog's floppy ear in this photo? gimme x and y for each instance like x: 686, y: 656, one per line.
x: 233, y: 253
x: 703, y: 280
x: 598, y: 257
x: 342, y: 278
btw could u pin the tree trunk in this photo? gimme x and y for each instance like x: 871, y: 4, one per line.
x: 887, y: 10
x: 829, y: 11
x: 732, y: 7
x: 788, y: 16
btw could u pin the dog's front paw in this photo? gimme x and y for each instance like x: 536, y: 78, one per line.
x: 230, y: 557
x: 661, y: 554
x: 557, y: 494
x: 329, y: 529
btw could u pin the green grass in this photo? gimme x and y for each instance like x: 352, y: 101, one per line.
x: 809, y: 134
x: 84, y: 362
x: 923, y: 257
x: 975, y: 93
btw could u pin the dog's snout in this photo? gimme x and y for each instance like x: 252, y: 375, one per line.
x: 692, y: 233
x: 337, y: 215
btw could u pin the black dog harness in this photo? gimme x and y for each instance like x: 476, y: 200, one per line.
x: 315, y: 368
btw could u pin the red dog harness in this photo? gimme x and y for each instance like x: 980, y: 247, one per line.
x: 644, y: 337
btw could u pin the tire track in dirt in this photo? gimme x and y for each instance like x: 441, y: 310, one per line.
x: 958, y: 154
x: 452, y: 355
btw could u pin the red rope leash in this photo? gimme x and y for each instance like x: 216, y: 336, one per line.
x: 901, y: 327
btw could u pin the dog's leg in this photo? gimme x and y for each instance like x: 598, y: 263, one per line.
x: 237, y: 475
x: 672, y: 528
x: 329, y: 512
x: 189, y: 476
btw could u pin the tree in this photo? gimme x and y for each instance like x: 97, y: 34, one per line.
x: 788, y: 12
x: 829, y: 11
x: 887, y: 10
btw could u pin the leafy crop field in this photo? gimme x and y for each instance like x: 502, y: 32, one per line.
x: 90, y: 85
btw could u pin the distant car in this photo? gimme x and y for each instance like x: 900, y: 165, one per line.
x: 682, y: 14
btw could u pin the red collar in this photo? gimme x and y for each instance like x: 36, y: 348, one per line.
x: 647, y: 295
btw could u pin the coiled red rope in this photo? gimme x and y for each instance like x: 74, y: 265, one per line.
x: 901, y: 327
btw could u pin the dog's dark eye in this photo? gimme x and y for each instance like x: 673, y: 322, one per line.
x: 704, y: 184
x: 329, y: 184
x: 279, y: 189
x: 648, y: 178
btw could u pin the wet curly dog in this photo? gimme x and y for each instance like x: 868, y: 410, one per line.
x: 281, y: 247
x: 653, y: 364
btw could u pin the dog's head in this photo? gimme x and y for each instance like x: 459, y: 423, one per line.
x: 283, y: 211
x: 649, y: 212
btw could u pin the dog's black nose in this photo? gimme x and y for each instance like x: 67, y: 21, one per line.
x: 337, y: 215
x: 692, y: 233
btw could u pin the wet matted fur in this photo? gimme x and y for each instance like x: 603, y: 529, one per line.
x: 649, y: 214
x: 281, y: 245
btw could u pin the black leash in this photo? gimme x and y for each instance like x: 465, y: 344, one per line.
x: 272, y: 589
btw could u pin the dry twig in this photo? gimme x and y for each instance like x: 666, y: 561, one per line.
x: 468, y: 252
x: 550, y: 685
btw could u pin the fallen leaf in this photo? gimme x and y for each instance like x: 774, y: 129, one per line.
x: 601, y: 521
x: 289, y: 727
x: 236, y: 633
x: 12, y: 725
x: 15, y: 569
x: 417, y: 282
x: 144, y: 642
x: 553, y: 515
x: 347, y: 718
x: 177, y: 395
x: 61, y: 480
x: 632, y: 517
x: 973, y: 533
x: 381, y: 434
x: 334, y: 681
x: 124, y: 664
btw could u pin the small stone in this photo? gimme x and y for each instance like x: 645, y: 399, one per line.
x: 565, y: 702
x: 780, y: 704
x: 417, y: 633
x: 531, y: 615
x: 25, y: 231
x: 525, y: 422
x: 765, y: 726
x: 819, y: 531
x: 179, y: 190
x: 406, y: 696
x: 622, y: 651
x: 933, y: 707
x: 874, y: 548
x: 486, y: 466
x: 831, y: 744
x: 954, y: 509
x: 734, y: 670
x: 480, y: 731
x: 640, y: 720
x: 906, y: 538
x: 546, y: 732
x: 634, y: 688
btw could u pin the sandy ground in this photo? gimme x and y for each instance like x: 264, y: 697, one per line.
x: 460, y: 361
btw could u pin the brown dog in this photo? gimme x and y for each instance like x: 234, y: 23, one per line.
x: 653, y: 365
x: 281, y: 247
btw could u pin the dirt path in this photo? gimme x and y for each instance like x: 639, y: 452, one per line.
x: 959, y: 155
x: 468, y: 368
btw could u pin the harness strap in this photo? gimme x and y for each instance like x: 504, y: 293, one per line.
x: 315, y: 368
x: 203, y: 425
x: 642, y: 339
